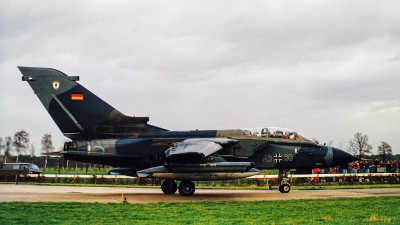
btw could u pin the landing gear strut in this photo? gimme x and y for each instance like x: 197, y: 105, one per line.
x: 284, y: 186
x: 169, y: 187
x: 186, y: 188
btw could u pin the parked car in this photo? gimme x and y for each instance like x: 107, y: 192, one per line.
x: 19, y: 168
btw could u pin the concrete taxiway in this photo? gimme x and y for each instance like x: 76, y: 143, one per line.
x: 38, y: 193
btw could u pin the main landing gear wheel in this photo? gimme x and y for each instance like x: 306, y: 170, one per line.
x: 169, y: 187
x: 284, y: 188
x: 186, y: 188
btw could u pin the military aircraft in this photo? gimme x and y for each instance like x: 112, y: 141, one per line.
x: 101, y: 134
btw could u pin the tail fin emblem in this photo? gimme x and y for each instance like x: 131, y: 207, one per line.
x: 56, y: 85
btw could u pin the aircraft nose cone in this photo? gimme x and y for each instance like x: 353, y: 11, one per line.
x: 341, y: 157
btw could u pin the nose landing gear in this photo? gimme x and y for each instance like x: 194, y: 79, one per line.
x: 284, y: 186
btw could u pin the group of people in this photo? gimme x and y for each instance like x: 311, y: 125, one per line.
x: 391, y: 166
x: 360, y: 167
x: 365, y: 167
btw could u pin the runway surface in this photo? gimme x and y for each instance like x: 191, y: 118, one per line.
x: 36, y: 193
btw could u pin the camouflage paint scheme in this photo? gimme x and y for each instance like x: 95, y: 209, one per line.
x: 101, y: 134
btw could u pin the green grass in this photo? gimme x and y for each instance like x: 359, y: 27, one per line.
x: 347, y: 186
x: 372, y: 210
x: 76, y: 171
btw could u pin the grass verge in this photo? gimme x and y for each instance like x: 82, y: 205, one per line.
x: 371, y: 210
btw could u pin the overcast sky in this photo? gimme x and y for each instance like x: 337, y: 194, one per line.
x: 327, y: 69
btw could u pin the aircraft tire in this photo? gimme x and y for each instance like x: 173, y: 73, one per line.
x: 284, y: 188
x: 169, y: 187
x: 186, y: 188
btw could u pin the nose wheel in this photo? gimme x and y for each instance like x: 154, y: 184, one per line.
x: 284, y: 186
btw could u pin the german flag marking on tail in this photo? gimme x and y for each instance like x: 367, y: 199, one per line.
x: 77, y: 96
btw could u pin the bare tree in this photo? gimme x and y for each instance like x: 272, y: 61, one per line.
x: 385, y: 150
x: 7, y: 148
x: 32, y: 151
x: 359, y: 145
x: 47, y: 146
x: 2, y: 145
x: 21, y: 142
x: 330, y: 143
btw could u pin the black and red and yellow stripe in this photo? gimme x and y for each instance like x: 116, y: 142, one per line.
x: 77, y: 96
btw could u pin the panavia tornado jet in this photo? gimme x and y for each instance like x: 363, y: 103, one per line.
x: 101, y: 134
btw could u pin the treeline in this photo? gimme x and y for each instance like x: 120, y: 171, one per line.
x: 19, y: 144
x: 359, y: 147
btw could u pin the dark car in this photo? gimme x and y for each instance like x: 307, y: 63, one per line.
x: 19, y: 168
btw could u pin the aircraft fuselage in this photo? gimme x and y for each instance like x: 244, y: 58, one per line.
x: 148, y: 150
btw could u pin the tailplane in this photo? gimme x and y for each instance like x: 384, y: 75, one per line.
x: 79, y: 113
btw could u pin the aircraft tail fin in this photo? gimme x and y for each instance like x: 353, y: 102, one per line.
x: 79, y: 113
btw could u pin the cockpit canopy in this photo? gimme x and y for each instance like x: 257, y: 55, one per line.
x: 275, y: 132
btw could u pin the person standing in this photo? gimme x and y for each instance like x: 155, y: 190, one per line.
x: 381, y: 164
x: 334, y: 171
x: 350, y: 167
x: 315, y: 171
x: 395, y: 166
x: 373, y: 169
x: 388, y: 167
x: 343, y: 168
x: 376, y: 162
x: 367, y: 167
x: 362, y: 167
x: 357, y: 167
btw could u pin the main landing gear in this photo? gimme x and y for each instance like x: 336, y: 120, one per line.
x: 169, y: 187
x: 186, y: 188
x: 284, y: 186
